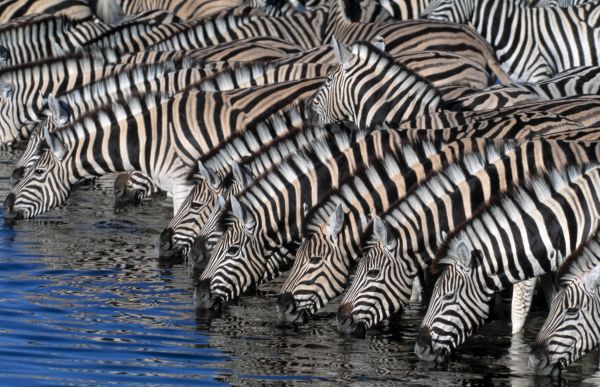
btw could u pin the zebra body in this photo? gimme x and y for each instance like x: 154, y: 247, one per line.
x: 571, y: 328
x: 498, y: 248
x: 537, y: 50
x: 407, y: 238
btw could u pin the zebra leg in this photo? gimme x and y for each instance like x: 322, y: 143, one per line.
x: 180, y: 193
x: 521, y: 303
x: 417, y: 289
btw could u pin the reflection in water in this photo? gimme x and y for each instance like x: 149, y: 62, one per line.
x: 84, y: 301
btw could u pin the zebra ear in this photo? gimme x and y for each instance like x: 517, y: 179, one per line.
x: 208, y: 175
x: 592, y: 279
x: 380, y: 232
x: 336, y: 221
x: 241, y: 214
x: 342, y: 54
x: 241, y: 175
x: 379, y: 43
x: 463, y: 253
x: 56, y: 146
x: 58, y: 111
x: 222, y: 202
x: 6, y: 89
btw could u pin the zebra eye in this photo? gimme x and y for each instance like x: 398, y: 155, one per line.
x: 373, y: 273
x: 38, y: 171
x: 233, y: 250
x: 449, y: 297
x: 572, y: 311
x: 328, y: 80
x: 315, y: 260
x: 197, y: 205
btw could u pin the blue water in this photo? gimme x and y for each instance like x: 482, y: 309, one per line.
x: 83, y: 301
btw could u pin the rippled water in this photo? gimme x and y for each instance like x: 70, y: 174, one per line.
x: 83, y: 301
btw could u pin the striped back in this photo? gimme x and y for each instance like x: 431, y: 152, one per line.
x: 572, y: 327
x: 499, y: 248
x: 11, y: 9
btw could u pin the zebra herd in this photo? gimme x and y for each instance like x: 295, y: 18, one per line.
x: 401, y: 140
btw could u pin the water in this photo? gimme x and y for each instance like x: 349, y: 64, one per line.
x: 83, y: 301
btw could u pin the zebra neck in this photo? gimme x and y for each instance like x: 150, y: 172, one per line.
x: 488, y: 12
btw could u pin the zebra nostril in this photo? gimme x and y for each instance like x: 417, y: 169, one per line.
x: 344, y: 315
x: 166, y: 235
x: 9, y: 202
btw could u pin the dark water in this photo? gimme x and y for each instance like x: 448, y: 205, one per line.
x: 83, y: 301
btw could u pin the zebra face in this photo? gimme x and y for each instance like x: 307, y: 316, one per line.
x: 320, y: 272
x: 183, y: 230
x: 374, y: 294
x: 236, y: 262
x: 44, y: 187
x: 459, y: 305
x: 570, y: 330
x: 452, y: 11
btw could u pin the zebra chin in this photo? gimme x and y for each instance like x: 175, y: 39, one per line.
x: 288, y: 311
x: 428, y: 351
x: 541, y: 364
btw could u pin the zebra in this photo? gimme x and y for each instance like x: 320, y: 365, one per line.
x: 571, y: 327
x: 498, y: 248
x: 11, y: 9
x: 164, y: 140
x: 547, y: 51
x: 261, y: 234
x: 323, y: 261
x: 405, y: 238
x: 22, y: 89
x: 256, y: 149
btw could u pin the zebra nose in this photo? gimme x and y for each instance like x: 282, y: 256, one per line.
x: 9, y: 211
x: 203, y: 299
x: 285, y: 301
x: 17, y: 174
x: 4, y: 54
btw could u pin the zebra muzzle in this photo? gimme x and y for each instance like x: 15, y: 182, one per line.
x: 540, y: 363
x: 424, y: 347
x: 346, y: 324
x: 204, y: 299
x: 167, y: 250
x: 9, y: 209
x: 287, y: 310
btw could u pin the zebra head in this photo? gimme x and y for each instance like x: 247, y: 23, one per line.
x: 235, y: 263
x: 334, y: 101
x: 452, y: 11
x: 379, y: 288
x: 572, y: 327
x: 320, y: 272
x: 45, y: 186
x: 57, y: 114
x: 458, y: 304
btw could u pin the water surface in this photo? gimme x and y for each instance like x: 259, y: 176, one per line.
x: 83, y: 301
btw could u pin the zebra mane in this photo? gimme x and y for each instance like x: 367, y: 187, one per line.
x: 522, y: 200
x: 134, y: 104
x: 62, y: 20
x: 73, y: 60
x: 238, y: 73
x: 370, y: 54
x: 106, y: 87
x: 407, y: 156
x: 259, y: 135
x: 580, y: 262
